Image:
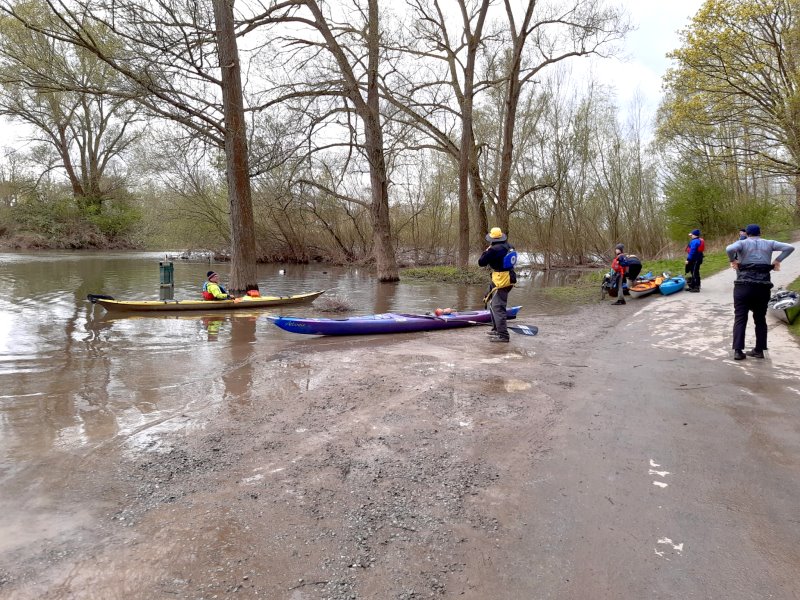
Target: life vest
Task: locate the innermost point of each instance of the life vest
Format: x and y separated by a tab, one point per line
701	247
208	295
615	266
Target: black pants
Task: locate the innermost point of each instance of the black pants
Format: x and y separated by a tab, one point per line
633	272
619	287
693	268
749	297
498	311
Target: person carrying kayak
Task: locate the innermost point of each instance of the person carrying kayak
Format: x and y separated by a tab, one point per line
501	257
212	290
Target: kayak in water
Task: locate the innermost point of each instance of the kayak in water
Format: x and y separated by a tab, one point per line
247	302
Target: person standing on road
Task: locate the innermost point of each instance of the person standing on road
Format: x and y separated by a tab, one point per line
694	258
742	233
501	257
619	265
752	259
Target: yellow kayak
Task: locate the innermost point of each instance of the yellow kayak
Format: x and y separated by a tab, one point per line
247	302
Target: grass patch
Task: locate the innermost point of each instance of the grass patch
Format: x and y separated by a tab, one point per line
795	327
583	291
713	262
587	288
471	274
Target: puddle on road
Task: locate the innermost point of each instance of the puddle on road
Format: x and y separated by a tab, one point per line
515	385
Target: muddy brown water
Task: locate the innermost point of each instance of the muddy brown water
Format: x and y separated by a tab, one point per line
76	381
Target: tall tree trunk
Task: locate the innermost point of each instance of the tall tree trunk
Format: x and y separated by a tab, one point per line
463	179
507	152
467	151
385	260
478	204
243	240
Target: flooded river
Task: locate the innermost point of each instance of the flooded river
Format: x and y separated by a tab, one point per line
74	378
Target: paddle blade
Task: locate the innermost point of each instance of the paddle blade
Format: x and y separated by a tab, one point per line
524	329
93	298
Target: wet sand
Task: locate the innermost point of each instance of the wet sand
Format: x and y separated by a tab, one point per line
621	453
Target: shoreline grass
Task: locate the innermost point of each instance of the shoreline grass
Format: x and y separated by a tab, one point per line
586	290
794	328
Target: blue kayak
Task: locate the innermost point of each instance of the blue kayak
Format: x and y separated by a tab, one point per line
385	323
672	285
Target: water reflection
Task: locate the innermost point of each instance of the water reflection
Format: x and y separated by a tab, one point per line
385	295
238	378
74	376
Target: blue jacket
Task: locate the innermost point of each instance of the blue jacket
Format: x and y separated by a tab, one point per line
693	250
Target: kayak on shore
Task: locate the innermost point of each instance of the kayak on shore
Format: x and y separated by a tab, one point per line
785	305
644	287
672	285
385	323
246	302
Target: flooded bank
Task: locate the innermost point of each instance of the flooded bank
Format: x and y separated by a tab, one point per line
76	380
201	456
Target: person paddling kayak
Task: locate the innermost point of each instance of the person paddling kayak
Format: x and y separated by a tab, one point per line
212	290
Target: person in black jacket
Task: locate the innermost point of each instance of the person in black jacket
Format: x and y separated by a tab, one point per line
503	279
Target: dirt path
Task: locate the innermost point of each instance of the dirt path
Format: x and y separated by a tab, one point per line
619	454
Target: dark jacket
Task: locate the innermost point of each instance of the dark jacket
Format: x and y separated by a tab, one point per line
493	257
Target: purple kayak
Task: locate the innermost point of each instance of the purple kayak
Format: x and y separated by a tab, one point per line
385	323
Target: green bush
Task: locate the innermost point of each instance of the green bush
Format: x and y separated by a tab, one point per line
116	219
61	223
703	200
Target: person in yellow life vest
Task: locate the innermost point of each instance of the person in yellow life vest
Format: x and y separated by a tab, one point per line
501	257
212	290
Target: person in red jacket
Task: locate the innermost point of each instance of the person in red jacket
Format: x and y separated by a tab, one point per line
619	265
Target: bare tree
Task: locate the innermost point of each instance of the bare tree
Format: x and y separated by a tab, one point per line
422	97
558	32
86	132
355	52
175	61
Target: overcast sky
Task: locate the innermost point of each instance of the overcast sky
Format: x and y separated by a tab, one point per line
658	23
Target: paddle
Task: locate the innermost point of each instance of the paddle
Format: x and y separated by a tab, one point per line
520	329
93	298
